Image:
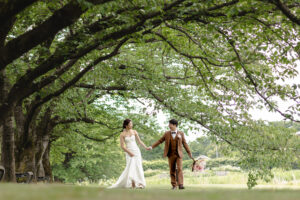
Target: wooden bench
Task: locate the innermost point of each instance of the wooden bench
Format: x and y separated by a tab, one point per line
24	177
20	177
2	172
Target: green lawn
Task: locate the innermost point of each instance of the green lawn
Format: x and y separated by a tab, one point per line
202	192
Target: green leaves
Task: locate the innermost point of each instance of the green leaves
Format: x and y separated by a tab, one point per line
85	4
205	62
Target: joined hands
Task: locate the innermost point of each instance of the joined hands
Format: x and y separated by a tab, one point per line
149	148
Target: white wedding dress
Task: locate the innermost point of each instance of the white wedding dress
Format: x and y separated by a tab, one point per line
133	171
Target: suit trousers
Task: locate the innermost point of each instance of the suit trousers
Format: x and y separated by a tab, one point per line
174	160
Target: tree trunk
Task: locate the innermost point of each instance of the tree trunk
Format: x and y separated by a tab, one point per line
25	160
1	133
8	140
25	151
8	154
2	95
40	151
46	163
31	151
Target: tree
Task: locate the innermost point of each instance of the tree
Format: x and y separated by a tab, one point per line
208	62
86	153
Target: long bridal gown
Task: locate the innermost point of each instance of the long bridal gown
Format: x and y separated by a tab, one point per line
133	171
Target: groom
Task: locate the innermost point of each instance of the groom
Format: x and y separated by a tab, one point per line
174	140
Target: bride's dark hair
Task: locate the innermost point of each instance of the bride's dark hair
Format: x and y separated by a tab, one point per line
126	122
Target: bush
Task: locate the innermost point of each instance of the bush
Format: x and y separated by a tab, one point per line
150	172
217	162
156	165
227	168
162	164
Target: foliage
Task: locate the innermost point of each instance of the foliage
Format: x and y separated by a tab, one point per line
77	158
207	63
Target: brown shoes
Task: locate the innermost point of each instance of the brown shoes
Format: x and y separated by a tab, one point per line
180	187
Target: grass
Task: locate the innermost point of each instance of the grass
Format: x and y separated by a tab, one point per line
200	186
163	192
281	177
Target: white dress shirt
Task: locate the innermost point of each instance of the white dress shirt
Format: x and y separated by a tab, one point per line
174	135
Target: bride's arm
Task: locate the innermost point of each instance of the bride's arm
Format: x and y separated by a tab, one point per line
122	142
139	140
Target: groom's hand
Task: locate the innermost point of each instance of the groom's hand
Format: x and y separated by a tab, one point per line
149	148
192	158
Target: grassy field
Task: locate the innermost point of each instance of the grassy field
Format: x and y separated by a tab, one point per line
161	178
163	192
200	186
229	177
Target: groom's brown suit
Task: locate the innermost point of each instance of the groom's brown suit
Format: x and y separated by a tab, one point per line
173	149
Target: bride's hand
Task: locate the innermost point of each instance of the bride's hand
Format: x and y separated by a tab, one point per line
148	148
131	154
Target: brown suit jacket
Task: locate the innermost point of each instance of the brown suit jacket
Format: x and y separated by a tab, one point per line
181	141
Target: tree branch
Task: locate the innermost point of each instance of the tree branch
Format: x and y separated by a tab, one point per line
100	87
9	8
67	85
60	19
96	139
252	81
83	119
285	10
200	122
20	90
185	54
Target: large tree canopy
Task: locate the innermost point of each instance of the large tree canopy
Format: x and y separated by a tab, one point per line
207	62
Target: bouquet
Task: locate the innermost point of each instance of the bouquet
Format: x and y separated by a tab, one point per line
199	163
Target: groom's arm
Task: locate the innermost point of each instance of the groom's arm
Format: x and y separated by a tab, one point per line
186	146
161	140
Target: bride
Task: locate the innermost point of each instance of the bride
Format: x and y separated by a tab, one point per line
133	174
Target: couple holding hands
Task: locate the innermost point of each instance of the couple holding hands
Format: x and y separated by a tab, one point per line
133	174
